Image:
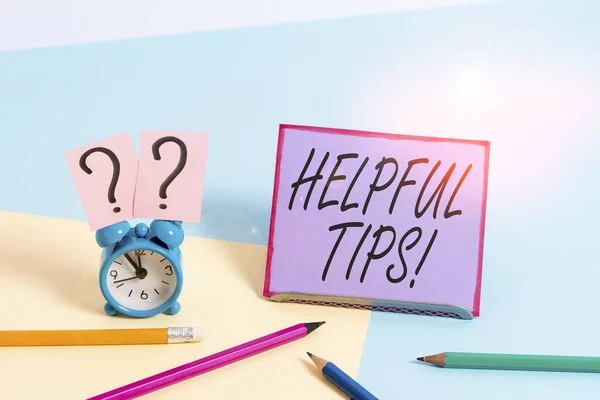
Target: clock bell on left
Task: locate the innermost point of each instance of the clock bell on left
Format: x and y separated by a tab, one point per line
141	273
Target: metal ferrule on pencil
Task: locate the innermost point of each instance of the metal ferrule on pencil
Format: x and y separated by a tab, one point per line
184	334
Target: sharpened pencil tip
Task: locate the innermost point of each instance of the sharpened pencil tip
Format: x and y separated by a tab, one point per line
420	358
318	361
311	326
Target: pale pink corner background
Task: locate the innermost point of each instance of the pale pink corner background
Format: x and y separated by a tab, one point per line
184	194
93	188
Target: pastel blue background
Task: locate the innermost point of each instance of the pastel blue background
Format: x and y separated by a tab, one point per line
538	102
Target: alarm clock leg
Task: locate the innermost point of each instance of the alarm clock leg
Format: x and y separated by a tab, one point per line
174	309
110	310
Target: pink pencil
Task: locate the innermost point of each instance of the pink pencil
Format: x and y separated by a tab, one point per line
209	363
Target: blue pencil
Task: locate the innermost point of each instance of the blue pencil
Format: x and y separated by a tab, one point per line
340	379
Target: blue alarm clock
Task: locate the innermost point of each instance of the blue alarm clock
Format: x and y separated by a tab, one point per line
140	272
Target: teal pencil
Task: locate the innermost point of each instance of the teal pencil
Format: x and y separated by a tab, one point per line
522	362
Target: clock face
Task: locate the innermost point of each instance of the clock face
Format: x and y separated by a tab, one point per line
141	280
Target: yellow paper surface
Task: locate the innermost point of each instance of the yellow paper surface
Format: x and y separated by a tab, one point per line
49	280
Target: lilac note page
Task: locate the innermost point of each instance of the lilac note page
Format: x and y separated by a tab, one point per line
400	218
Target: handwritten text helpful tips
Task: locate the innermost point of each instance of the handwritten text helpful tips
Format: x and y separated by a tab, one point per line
359	214
387	232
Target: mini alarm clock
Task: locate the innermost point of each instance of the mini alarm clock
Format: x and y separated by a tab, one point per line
140	272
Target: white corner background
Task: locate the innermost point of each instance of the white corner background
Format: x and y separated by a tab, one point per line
26	24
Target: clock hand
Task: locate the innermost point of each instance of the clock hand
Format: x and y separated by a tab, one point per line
128	279
139	261
139	272
137	268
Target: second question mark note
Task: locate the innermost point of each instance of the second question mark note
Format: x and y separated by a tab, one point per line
105	173
170	181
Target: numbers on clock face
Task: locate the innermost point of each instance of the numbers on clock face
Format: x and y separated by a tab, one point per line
141	280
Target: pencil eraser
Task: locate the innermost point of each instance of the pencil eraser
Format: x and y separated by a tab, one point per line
197	334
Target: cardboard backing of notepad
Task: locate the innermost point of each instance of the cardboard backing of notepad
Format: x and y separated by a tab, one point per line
378	221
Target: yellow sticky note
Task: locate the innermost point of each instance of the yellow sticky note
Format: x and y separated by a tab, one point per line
49	280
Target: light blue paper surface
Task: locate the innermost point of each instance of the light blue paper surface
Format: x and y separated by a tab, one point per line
525	75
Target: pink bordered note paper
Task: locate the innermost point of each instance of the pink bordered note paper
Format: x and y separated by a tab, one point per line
378	221
170	181
105	173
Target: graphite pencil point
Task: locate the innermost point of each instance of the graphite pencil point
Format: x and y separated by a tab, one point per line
311	326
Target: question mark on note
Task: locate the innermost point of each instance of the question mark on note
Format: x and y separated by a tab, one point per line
115	174
180	165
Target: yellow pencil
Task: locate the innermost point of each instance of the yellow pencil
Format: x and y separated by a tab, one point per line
92	337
